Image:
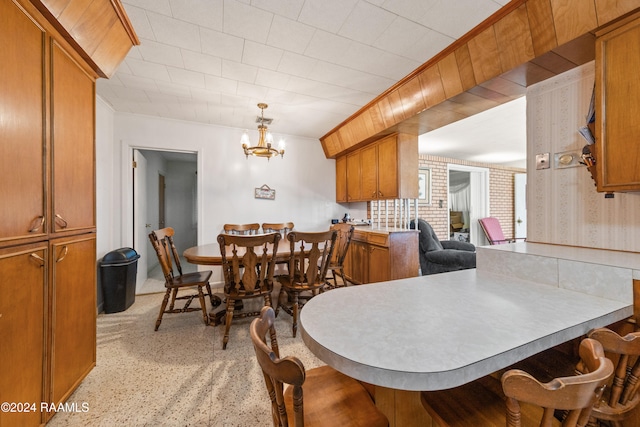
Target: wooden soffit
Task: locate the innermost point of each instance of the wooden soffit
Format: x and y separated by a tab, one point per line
99	30
525	42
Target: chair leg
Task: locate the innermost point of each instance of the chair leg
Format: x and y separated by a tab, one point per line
295	313
174	294
282	291
227	321
267	300
203	305
345	282
335	279
165	300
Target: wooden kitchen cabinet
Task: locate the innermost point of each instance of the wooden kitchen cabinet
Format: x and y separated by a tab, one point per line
617	151
73	313
381	255
354	177
73	142
370	172
23	147
385	169
379	269
341	179
23	309
47	216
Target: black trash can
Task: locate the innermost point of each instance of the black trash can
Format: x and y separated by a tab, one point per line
118	271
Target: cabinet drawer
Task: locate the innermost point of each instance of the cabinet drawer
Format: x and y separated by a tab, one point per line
378	239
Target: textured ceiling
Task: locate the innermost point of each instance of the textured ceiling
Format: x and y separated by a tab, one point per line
315	62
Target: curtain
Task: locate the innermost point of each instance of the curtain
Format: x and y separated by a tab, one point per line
459	200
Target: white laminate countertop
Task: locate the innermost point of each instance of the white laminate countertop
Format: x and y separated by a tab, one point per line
630	260
440	331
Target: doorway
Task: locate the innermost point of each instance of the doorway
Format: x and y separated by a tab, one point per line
468	189
165	195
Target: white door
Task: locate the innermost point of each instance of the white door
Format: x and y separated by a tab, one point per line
520	205
140	228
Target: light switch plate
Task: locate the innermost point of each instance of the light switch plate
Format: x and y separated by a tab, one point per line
542	161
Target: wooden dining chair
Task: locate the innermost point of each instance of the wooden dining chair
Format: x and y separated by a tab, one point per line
522	400
308	264
336	264
317	397
621	396
247	266
162	242
283	228
242	229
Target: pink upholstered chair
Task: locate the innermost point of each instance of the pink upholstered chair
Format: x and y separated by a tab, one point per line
493	230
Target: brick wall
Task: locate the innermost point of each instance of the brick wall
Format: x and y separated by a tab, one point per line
500	198
500	193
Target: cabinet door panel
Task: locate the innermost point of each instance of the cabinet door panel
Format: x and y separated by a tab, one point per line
22	315
22	143
341	179
618	154
369	157
388	168
359	262
72	109
378	264
73	317
354	187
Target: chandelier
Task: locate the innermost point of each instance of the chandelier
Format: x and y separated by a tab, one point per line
265	139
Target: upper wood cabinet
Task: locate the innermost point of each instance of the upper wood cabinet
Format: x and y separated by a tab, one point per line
341	179
354	177
385	169
22	113
73	142
48	132
618	107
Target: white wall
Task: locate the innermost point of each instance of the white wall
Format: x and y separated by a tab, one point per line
304	179
563	206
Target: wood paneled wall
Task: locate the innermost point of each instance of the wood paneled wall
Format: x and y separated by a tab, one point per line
525	42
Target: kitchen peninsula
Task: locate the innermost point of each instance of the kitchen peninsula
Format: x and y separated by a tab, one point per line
452	328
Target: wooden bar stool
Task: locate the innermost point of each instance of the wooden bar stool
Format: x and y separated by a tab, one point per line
522	400
330	397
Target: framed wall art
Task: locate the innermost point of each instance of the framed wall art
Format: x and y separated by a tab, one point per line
424	186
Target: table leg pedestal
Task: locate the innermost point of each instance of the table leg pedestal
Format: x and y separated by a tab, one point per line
402	408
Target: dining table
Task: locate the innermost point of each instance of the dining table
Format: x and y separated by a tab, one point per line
209	254
441	331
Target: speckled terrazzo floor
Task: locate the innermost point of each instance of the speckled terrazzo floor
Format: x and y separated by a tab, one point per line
177	376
